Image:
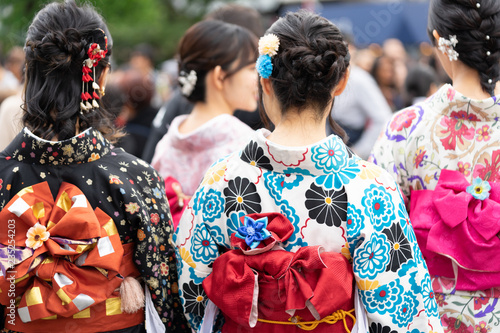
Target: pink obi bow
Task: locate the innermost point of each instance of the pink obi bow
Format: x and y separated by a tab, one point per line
66	256
452	226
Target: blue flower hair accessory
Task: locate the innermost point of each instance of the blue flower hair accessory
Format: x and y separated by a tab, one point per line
479	189
268	48
253	232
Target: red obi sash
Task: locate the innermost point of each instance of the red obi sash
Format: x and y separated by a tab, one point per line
459	224
259	289
65	262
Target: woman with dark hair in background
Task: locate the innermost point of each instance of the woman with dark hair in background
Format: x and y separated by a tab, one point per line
444	153
217	74
84	226
330	219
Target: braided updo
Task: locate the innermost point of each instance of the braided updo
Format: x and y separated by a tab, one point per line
312	59
477	28
56	46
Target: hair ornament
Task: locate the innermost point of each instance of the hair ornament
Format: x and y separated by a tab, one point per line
268	48
447	46
487	37
95	54
188	82
478	5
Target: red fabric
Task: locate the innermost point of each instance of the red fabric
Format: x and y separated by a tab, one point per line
451	225
286	281
176	199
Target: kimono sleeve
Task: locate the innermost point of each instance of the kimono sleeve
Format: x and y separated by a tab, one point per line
391	275
197	248
155	254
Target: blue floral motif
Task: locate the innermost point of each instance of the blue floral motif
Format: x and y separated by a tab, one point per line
264	66
234	222
277	182
217	235
253	231
194	277
304	172
378	205
355	223
198	200
179	262
194	321
337	180
157	193
384	299
405	311
213	205
405	222
330	156
373	258
292	216
479	189
428	295
203	247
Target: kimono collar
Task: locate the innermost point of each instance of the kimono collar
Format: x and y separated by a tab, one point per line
327	156
448	100
87	146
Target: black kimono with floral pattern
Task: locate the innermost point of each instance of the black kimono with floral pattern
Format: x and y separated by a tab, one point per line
123	186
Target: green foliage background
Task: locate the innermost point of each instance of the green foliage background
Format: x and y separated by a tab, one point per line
157	22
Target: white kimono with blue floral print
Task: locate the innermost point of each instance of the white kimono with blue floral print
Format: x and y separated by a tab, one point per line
333	199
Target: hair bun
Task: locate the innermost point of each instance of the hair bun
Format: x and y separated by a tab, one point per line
61	49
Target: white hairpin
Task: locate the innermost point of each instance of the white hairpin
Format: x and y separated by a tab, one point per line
447	46
188	82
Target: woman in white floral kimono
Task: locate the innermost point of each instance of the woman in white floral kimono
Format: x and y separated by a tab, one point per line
444	153
337	208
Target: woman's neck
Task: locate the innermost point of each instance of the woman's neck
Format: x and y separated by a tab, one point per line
467	81
203	113
299	129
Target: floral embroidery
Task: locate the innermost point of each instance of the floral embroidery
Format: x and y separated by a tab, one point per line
36	235
483	133
488	167
368	170
93	157
454	132
213	205
385	298
203	247
330	156
403	120
141	235
214	174
464	168
194	297
419	157
114	180
132	207
379	206
155	218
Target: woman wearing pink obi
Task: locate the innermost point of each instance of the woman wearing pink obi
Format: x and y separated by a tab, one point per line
217	74
445	155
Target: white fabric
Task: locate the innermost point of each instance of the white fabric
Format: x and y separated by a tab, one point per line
361	325
153	320
211	312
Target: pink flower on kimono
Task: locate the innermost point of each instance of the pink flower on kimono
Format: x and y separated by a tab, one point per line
454	132
464	168
455	325
482	327
419	157
36	235
483	133
403	120
479	302
450	94
488	167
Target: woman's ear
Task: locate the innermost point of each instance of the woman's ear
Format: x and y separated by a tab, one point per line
217	77
342	83
266	86
436	36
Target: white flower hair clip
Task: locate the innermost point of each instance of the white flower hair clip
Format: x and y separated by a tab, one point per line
447	46
188	82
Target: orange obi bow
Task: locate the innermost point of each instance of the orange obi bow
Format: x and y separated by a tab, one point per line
66	256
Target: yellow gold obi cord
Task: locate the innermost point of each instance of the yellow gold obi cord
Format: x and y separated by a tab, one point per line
311	325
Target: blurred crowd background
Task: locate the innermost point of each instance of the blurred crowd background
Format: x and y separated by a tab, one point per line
388	42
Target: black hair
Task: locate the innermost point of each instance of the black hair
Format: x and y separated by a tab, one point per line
56	46
212	43
477	30
418	82
311	61
246	17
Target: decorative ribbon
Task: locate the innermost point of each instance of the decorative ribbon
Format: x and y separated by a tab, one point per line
451	224
74	258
